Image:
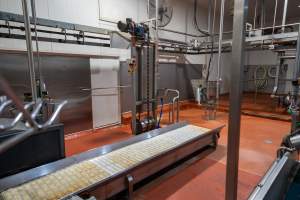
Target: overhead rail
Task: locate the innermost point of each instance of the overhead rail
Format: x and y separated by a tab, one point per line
6	16
62	32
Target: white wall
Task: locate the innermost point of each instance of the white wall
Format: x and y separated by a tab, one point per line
73	11
90	12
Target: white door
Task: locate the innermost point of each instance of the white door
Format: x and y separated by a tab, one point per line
105	92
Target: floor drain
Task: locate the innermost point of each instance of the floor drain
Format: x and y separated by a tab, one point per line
268	141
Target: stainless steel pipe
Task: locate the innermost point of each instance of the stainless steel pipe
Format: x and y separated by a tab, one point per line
286	2
220	49
175	100
29	49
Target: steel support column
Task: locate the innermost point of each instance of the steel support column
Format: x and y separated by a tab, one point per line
134	91
296	87
29	49
262	15
286	2
220	49
208	39
209	16
156	52
236	89
34	17
297	71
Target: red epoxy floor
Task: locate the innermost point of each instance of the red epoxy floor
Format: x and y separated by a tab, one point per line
84	141
203	179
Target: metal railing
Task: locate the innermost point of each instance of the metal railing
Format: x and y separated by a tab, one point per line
174	101
28	113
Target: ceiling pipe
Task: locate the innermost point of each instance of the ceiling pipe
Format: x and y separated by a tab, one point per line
220	49
29	50
286	2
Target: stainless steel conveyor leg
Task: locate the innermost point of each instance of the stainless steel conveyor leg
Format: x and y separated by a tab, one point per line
129	180
172	104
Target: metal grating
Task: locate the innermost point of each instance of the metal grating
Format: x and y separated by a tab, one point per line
82	175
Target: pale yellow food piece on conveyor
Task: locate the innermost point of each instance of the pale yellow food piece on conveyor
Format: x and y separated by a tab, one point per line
58	184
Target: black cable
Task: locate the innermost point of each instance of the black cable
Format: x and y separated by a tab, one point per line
211	57
195	19
195	22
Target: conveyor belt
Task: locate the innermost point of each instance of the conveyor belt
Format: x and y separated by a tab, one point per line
85	174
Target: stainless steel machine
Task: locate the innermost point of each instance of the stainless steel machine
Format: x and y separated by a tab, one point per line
42	148
282	181
142	69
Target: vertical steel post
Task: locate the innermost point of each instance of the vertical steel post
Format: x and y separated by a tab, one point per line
34	17
134	91
29	49
178	110
296	87
154	83
255	15
286	2
220	49
156	60
297	74
209	39
262	15
236	89
209	16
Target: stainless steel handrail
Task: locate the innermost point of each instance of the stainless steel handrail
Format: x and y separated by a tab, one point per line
30	118
55	114
16	119
172	104
4	105
105	88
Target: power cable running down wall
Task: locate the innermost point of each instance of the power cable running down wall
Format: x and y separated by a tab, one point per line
212	38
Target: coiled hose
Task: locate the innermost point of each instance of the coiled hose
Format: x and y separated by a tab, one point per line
260	80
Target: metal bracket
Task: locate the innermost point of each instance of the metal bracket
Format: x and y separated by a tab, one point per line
129	181
215	140
63	30
8	27
80	35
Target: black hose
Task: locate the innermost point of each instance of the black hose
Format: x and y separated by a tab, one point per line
210	59
195	19
205	33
